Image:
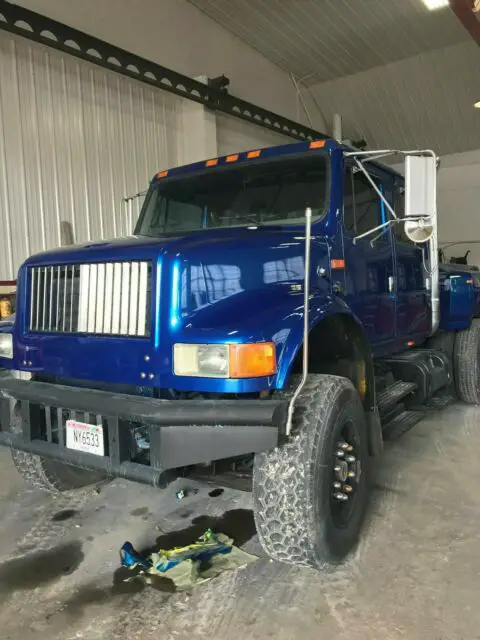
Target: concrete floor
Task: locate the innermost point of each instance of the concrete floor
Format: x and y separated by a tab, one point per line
414	575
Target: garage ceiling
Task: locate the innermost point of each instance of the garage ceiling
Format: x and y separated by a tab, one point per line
324	39
399	74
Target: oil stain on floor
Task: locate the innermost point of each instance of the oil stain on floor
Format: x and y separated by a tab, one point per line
39	568
237	524
139	511
63	515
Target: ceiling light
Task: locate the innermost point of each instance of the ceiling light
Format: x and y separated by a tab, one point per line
435	4
477	104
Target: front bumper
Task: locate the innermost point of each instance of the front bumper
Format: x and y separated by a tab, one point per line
181	432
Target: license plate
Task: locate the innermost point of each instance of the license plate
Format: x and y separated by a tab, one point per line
85	437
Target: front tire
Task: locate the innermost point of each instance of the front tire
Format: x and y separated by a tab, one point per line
310	494
48	474
51	475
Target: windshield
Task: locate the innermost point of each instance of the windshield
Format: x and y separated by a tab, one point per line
258	194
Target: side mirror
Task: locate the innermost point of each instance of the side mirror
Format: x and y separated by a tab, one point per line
420	196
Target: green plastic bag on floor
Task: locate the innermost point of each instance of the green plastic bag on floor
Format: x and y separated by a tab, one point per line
206	558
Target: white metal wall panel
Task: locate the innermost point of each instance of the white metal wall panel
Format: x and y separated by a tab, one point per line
74	140
235	135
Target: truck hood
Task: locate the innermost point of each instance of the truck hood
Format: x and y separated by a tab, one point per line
111	249
146	247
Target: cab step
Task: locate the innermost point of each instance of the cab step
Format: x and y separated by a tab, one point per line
439	402
393	394
401	424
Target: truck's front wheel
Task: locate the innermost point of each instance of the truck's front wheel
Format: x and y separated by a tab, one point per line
47	474
51	475
310	494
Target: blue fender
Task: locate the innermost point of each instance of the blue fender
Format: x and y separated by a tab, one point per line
289	339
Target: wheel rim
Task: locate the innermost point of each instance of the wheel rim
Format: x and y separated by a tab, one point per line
345	474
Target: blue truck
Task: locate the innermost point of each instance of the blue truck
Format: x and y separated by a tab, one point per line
276	316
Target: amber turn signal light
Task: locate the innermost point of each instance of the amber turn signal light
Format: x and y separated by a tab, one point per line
252	360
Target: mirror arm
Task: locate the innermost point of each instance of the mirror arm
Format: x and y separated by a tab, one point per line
370	231
385	224
377	190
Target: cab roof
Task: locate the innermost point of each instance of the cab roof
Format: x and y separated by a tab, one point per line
327	145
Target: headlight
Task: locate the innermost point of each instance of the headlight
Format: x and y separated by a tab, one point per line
224	360
6	345
206	360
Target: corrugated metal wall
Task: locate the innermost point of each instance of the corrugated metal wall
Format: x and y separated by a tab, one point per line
74	140
234	135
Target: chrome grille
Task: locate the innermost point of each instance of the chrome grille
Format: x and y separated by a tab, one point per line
101	299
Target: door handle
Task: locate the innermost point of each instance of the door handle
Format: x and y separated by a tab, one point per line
391	284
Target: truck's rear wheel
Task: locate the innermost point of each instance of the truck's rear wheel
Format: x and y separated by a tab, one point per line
51	475
310	494
467	363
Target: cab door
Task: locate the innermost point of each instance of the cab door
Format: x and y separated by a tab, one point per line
369	262
413	300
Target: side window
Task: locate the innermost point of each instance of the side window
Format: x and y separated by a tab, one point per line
399	206
367	204
348	203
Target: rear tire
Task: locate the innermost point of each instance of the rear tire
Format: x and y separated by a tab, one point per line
467	363
299	520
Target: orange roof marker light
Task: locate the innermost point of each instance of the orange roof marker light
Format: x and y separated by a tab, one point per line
162	174
317	144
337	264
253	154
232	158
212	163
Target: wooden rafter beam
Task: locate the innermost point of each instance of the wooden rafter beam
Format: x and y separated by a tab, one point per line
468	12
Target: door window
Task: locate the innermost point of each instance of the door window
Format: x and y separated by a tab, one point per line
348	203
361	204
399	208
367	204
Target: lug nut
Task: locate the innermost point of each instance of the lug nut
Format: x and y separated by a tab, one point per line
143	375
337	469
349	447
151	376
351	474
347	488
339	454
147	358
350	459
341	496
337	485
343	445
